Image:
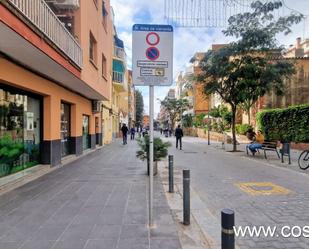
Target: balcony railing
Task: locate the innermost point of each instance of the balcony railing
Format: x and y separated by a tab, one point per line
119	53
39	14
118	77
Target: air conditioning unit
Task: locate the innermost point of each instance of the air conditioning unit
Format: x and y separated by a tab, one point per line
65	4
96	106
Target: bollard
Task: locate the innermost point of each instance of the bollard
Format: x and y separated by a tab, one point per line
170	174
186	196
227	226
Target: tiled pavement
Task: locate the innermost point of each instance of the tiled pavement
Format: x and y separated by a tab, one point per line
97	202
215	179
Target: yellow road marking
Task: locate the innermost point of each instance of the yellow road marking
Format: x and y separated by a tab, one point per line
262	188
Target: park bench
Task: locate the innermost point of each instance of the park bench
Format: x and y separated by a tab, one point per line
267	146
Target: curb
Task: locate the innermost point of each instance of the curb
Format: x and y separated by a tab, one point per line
202	220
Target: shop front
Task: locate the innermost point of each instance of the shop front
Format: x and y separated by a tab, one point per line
20	130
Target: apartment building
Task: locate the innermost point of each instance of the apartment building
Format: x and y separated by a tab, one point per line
55	69
131	100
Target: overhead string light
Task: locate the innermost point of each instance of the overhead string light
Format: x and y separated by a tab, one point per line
210	13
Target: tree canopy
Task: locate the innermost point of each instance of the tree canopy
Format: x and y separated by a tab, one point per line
174	108
139	107
251	66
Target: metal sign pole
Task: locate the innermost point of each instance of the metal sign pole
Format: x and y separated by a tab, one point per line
151	115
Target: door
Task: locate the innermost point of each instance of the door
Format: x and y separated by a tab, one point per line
65	125
86	141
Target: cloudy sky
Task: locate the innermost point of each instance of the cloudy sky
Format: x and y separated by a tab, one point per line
187	41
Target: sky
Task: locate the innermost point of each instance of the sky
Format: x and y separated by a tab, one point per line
187	41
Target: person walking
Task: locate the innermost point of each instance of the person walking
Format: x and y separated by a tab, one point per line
132	131
178	135
124	130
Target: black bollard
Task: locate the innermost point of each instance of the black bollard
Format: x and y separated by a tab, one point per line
186	196
227	226
170	173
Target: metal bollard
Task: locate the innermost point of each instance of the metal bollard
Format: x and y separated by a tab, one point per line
227	226
186	196
170	173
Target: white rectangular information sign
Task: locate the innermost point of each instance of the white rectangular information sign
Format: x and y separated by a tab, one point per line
152	55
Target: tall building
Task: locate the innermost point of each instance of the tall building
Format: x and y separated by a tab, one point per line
131	100
201	102
56	61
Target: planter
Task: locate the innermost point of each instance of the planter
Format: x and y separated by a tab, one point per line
155	168
5	169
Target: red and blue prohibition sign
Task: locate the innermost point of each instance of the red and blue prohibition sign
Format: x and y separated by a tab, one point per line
152	53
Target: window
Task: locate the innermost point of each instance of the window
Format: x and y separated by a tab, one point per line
92	49
104	69
104	14
20	133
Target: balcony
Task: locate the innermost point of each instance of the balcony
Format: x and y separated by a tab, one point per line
42	17
119	77
119	53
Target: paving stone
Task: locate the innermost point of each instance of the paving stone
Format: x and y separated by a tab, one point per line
134	231
165	243
38	244
70	244
105	231
98	201
133	243
101	244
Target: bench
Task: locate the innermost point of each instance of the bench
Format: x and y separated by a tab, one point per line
267	146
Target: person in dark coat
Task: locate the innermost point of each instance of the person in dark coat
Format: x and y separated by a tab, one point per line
178	135
124	130
132	131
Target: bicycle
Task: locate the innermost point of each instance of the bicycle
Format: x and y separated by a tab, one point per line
303	160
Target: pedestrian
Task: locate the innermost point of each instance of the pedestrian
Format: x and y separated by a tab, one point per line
170	131
257	144
132	131
178	135
166	132
124	130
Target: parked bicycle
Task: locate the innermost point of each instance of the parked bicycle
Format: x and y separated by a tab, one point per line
303	160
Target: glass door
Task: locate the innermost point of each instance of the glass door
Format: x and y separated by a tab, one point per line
65	125
86	142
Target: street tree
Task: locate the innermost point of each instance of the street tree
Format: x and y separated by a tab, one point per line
249	67
174	108
139	107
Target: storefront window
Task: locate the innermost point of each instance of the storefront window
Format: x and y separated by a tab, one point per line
65	129
86	141
20	131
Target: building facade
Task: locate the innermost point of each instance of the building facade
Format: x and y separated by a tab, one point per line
55	68
296	90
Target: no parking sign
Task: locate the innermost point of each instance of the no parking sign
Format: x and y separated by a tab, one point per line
152	54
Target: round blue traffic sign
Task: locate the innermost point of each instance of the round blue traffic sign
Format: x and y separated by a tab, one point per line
152	53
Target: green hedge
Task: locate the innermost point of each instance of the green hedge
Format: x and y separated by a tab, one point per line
243	128
290	124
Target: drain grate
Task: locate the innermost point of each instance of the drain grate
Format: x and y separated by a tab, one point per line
190	152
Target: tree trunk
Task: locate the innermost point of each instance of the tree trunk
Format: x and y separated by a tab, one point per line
249	116
233	128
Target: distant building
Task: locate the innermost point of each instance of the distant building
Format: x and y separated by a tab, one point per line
296	88
201	102
171	93
146	120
